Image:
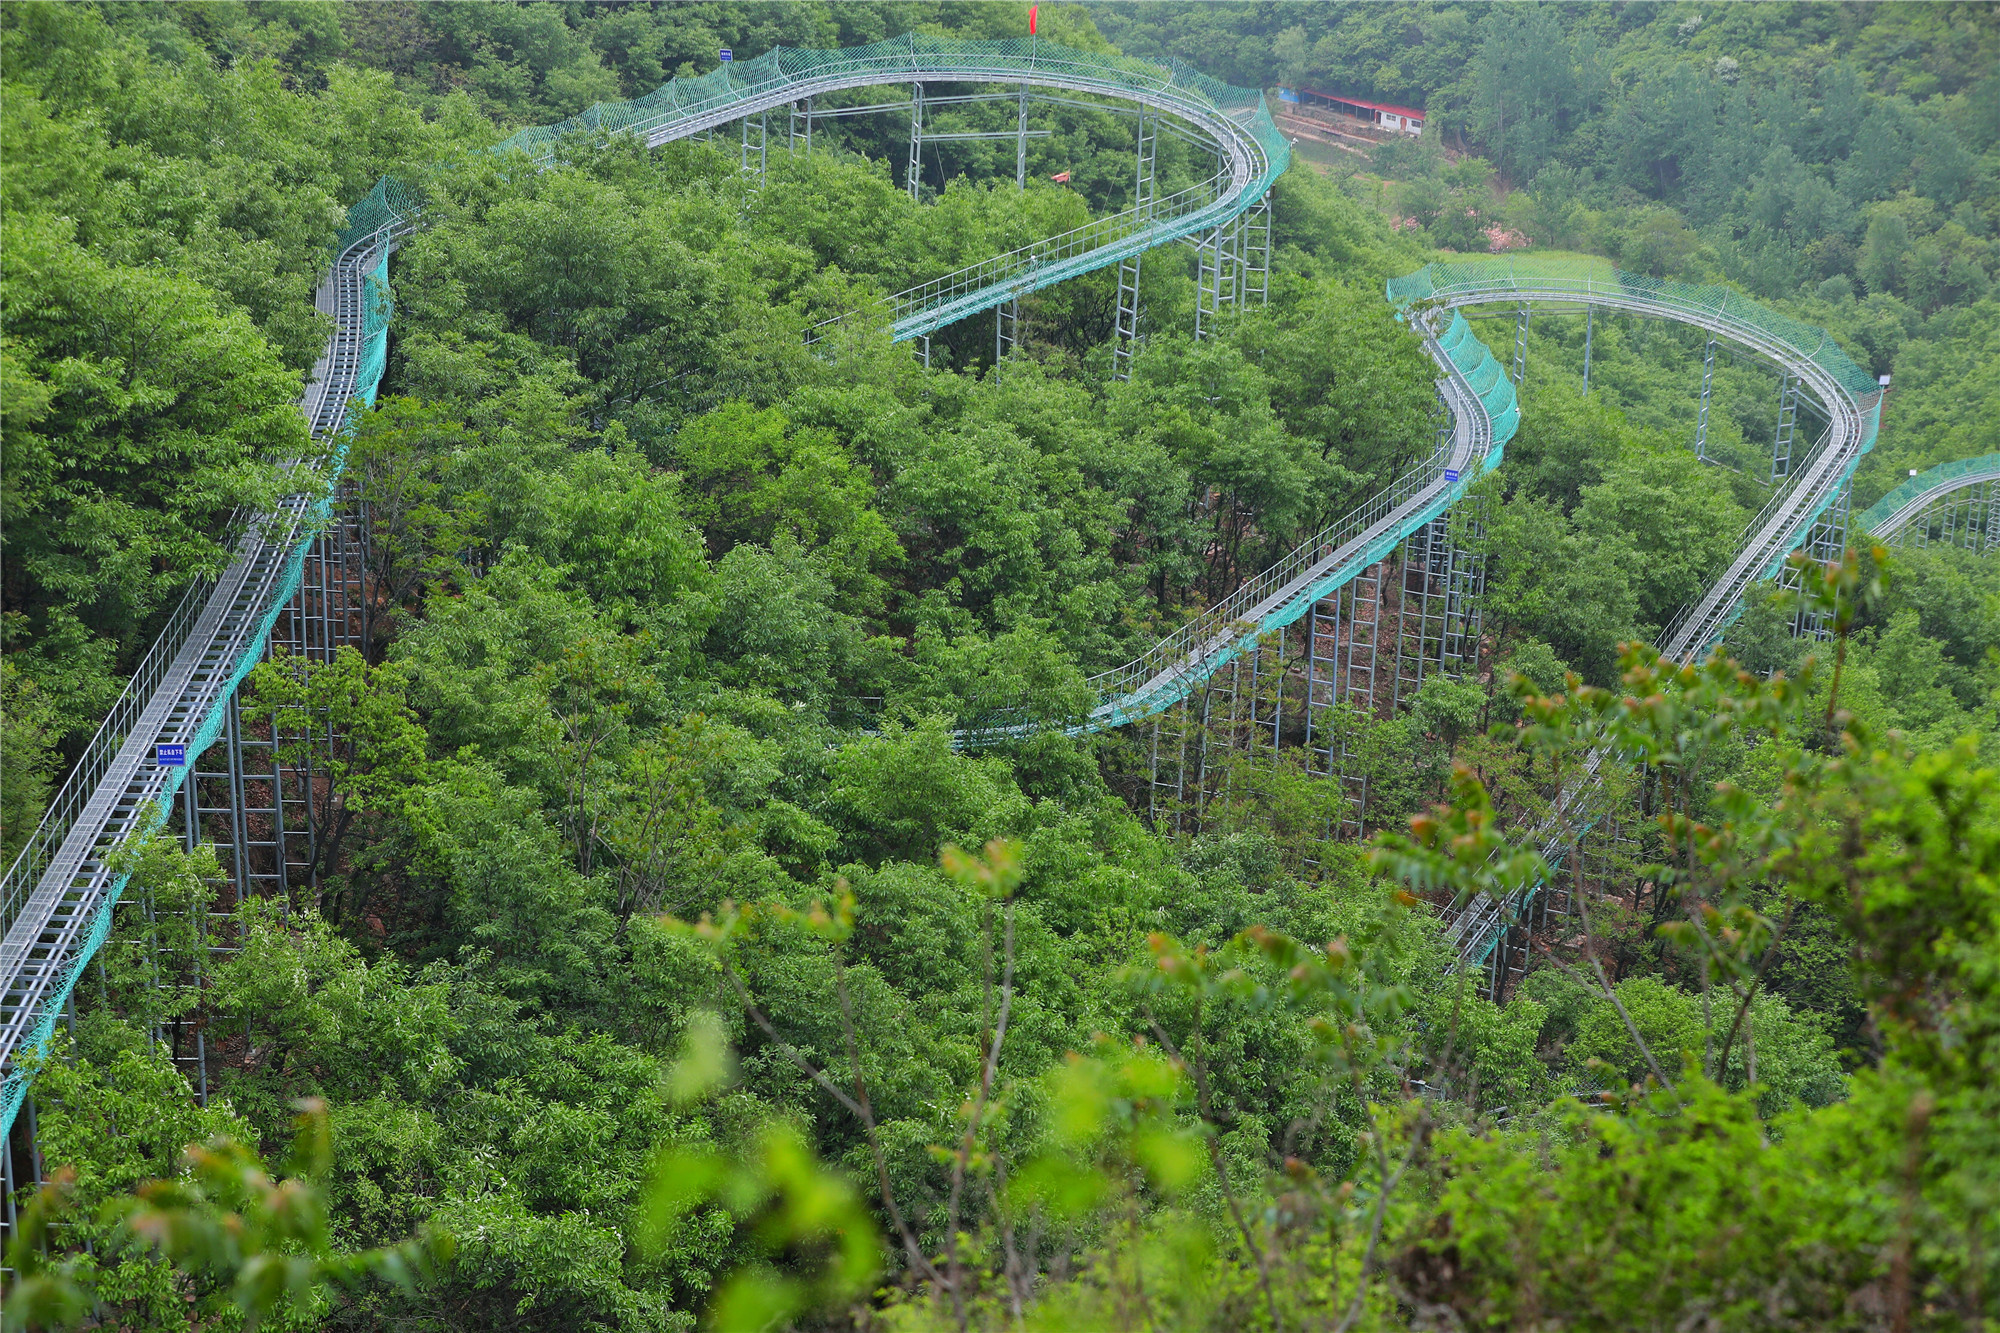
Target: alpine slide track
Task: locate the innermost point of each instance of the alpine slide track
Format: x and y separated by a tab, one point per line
296	581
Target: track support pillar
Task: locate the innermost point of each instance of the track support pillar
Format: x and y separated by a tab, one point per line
1126	341
1701	420
1021	143
1589	324
916	174
1521	347
1788	417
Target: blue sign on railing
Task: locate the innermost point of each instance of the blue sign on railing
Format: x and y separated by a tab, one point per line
725	55
1451	474
170	756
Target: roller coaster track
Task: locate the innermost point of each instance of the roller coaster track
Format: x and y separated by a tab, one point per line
1889	517
57	899
1849	397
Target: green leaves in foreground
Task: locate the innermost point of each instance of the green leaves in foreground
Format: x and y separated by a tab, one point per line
792	1210
225	1218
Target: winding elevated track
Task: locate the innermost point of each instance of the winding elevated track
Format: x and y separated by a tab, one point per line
1893	517
1849	397
57	899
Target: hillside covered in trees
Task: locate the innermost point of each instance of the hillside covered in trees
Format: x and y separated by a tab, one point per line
666	965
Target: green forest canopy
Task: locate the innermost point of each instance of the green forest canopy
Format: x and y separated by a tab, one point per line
676	616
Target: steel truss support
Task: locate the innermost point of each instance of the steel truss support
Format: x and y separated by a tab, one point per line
1589	326
755	156
1021	144
1368	648
253	796
1824	542
1126	343
799	136
1006	328
1218	280
1707	382
1968	518
1788	416
916	174
1521	347
1255	230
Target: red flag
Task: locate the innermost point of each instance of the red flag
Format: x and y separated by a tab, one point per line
1032	10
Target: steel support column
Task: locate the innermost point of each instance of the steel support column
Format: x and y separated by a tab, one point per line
1256	231
1589	325
1788	415
755	158
1707	382
1125	344
1021	143
799	134
915	178
1824	542
1006	328
1217	276
1521	347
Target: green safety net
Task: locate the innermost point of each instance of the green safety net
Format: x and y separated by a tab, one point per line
378	308
913	57
1584	277
1939	478
1484	375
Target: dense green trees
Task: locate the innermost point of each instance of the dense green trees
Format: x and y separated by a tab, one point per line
638	963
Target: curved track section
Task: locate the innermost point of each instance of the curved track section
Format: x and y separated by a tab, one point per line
1236	122
1850	399
57	899
1484	416
1889	517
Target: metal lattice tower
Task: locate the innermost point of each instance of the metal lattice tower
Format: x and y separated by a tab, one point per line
1788	417
1006	329
914	180
1021	143
800	126
1825	541
1218	276
1521	347
755	157
1589	327
1126	345
1707	382
1256	233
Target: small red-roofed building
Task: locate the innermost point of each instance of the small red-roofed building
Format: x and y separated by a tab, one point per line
1382	115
